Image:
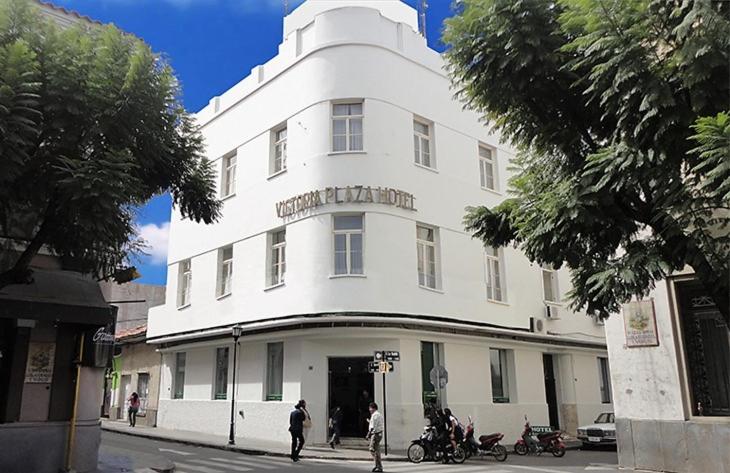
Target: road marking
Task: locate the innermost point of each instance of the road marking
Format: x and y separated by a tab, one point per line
201	469
440	467
175	451
264	464
228	466
601	467
539	469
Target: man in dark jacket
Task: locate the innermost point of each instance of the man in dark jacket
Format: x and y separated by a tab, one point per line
296	428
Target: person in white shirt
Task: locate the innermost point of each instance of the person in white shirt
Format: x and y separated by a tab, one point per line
375	435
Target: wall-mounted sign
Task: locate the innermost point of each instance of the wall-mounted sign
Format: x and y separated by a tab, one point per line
345	195
39	368
640	324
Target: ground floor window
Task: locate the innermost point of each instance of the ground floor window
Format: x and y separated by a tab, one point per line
432	374
179	377
499	373
605	380
143	391
274	371
221	373
707	350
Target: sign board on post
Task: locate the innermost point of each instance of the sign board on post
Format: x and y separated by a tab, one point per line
640	324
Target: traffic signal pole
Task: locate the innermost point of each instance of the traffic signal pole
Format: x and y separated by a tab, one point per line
385	417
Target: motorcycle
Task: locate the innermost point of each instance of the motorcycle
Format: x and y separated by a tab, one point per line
429	446
548	442
486	445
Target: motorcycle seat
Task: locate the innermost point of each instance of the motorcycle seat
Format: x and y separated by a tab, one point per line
490	437
548	435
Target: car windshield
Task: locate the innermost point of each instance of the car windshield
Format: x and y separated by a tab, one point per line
605	418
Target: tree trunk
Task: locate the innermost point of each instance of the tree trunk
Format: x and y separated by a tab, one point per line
20	273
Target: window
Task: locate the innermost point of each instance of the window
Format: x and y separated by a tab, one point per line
422	143
500	381
487	168
274	371
550	285
221	373
495	290
228	183
179	377
348	244
143	391
278	257
279	151
347	127
185	282
426	247
225	271
605	380
432	360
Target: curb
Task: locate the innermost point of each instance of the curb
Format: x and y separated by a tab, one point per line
235	448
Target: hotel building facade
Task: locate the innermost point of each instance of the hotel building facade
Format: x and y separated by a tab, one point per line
345	166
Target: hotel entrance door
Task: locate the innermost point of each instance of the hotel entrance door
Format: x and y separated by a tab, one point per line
351	388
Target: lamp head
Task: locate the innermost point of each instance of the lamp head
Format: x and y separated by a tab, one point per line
236	331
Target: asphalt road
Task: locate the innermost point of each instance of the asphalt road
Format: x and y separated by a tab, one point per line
191	459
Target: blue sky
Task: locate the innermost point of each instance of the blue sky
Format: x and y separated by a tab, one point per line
212	45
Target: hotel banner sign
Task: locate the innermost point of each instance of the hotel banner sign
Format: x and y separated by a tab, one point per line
640	324
345	195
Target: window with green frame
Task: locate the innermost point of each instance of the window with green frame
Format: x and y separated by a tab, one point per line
274	371
221	373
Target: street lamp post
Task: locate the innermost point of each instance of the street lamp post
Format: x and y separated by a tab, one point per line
236	332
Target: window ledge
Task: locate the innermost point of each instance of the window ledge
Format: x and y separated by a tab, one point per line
438	291
269	288
492	191
495	301
184	306
229	196
337	153
277	173
553	303
223	296
427	168
340	276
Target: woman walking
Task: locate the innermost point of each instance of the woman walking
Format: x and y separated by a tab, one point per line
133	409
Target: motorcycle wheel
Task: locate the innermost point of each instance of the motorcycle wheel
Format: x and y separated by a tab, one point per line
499	452
558	450
459	455
521	448
416	453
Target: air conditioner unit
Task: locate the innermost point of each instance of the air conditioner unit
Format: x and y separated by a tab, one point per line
551	312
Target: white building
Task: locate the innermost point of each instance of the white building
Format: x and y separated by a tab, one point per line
345	167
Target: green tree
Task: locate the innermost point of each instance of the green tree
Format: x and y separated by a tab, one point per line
91	127
618	109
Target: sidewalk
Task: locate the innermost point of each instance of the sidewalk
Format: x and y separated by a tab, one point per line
243	445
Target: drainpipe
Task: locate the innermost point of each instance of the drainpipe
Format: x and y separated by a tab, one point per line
72	426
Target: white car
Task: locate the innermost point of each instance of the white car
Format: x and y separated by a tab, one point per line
602	432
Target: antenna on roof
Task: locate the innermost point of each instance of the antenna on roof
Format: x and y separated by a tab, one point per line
422	6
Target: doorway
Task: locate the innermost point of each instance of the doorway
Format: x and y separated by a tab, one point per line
125	392
351	388
551	394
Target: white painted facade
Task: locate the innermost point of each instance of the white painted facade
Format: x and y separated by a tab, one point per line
366	52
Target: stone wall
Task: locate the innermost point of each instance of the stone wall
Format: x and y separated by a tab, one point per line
674	446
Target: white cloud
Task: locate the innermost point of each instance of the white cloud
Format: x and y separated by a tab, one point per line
156	238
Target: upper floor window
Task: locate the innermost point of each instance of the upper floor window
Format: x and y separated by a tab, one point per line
550	285
278	162
221	373
495	285
422	143
185	282
225	271
347	127
277	253
348	245
228	181
487	168
426	247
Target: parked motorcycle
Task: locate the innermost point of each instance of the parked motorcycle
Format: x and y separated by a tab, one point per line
548	442
431	447
486	445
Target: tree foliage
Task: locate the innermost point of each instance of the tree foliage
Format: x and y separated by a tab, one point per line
91	126
619	111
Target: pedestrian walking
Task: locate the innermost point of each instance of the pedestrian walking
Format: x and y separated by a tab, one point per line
133	409
296	429
335	426
375	435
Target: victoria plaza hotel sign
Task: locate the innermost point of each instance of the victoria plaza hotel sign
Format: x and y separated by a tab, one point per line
345	195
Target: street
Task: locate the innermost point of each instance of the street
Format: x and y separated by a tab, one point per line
192	459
